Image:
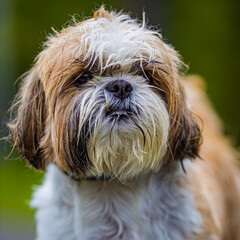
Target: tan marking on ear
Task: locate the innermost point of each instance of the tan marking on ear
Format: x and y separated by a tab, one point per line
28	126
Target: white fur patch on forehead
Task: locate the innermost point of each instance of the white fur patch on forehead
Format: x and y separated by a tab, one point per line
116	40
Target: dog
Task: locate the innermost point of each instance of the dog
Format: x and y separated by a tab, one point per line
108	112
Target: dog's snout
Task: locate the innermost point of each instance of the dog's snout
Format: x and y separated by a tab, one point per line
120	88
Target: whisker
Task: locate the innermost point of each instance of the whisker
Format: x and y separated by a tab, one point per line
158	88
163	70
154	61
143	134
77	60
175	120
170	150
149	134
113	125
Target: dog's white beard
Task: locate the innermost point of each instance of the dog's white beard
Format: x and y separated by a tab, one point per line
130	146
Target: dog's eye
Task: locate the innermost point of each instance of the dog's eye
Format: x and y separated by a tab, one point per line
148	76
83	78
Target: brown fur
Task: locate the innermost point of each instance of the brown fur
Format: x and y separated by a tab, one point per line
215	178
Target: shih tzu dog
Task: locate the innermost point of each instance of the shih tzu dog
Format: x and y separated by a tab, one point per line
106	110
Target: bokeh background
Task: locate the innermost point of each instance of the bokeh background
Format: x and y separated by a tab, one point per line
205	32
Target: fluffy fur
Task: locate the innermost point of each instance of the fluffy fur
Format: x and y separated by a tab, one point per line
105	100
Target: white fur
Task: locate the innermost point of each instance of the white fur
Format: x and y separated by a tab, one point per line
154	207
110	42
105	43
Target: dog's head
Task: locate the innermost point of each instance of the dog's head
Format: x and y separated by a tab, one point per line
105	98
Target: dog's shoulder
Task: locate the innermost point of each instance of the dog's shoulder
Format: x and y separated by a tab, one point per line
216	174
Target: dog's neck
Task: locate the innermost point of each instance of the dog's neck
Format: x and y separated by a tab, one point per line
113	210
89	178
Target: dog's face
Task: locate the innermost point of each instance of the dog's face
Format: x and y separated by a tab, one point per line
105	98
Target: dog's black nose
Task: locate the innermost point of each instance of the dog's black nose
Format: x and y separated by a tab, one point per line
120	88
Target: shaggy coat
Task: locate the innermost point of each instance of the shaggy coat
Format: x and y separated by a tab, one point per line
107	111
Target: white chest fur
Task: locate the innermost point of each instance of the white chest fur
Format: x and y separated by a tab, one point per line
153	208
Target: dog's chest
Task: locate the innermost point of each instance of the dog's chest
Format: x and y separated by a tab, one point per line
154	208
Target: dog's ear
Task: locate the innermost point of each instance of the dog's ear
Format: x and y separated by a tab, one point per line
184	133
29	113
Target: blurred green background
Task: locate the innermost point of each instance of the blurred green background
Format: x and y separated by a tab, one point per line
205	32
